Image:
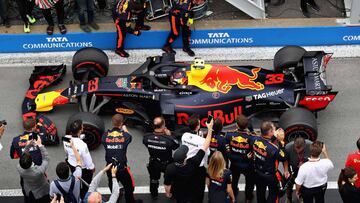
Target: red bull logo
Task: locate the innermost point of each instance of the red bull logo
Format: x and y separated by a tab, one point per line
226	118
260	148
221	78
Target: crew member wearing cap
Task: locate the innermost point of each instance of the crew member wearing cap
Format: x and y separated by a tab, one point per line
160	145
266	160
180	176
116	142
88	167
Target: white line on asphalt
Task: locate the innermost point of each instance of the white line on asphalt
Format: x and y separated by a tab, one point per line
138	190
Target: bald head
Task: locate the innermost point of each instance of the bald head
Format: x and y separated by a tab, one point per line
94	197
159	122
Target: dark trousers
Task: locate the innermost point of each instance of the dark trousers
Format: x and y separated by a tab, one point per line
126	179
311	194
59	7
87	176
264	181
121	33
25	8
155	168
249	181
199	184
85	6
4	5
177	23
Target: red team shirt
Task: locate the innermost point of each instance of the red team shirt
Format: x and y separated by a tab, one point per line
353	160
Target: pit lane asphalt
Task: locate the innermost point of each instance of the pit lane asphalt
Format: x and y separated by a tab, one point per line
338	124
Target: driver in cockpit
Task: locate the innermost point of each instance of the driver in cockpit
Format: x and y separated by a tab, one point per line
179	78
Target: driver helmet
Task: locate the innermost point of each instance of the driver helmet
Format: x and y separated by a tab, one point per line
179	78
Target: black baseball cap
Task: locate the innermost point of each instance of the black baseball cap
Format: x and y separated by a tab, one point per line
180	154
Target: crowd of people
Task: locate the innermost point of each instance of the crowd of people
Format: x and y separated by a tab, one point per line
123	13
214	159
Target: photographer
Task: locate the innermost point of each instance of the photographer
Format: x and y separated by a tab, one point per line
115	142
92	196
88	167
67	185
2	129
311	181
36	184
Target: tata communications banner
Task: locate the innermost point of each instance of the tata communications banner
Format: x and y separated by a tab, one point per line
236	37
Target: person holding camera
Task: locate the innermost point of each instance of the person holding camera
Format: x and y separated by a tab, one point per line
92	196
115	142
68	186
311	181
194	141
160	145
36	185
297	152
88	167
266	158
181	177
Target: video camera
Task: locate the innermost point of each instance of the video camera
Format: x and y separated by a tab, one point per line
3	122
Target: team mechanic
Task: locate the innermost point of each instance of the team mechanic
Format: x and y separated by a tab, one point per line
123	13
180	16
116	142
239	150
18	146
266	159
160	145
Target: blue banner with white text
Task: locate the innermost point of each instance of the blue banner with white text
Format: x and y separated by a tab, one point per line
234	37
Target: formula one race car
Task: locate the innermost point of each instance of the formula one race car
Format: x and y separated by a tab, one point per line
291	94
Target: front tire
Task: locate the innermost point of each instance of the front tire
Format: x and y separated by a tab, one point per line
94	128
298	122
88	63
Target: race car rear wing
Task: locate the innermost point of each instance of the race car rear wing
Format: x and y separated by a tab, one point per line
318	93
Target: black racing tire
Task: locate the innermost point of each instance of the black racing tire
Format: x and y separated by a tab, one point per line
94	128
288	57
298	122
90	60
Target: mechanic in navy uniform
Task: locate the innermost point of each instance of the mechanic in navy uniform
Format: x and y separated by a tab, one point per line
18	146
266	159
160	145
116	142
239	151
218	140
180	16
123	13
88	167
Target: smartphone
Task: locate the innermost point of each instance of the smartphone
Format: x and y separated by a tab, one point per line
33	136
65	139
209	118
58	197
115	162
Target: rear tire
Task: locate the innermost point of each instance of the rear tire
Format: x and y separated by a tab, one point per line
94	128
298	122
288	57
88	63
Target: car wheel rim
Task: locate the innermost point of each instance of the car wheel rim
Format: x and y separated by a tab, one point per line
293	135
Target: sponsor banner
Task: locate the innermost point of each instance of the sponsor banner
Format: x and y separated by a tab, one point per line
235	37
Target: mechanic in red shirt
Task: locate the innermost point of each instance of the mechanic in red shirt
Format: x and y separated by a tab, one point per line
353	160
